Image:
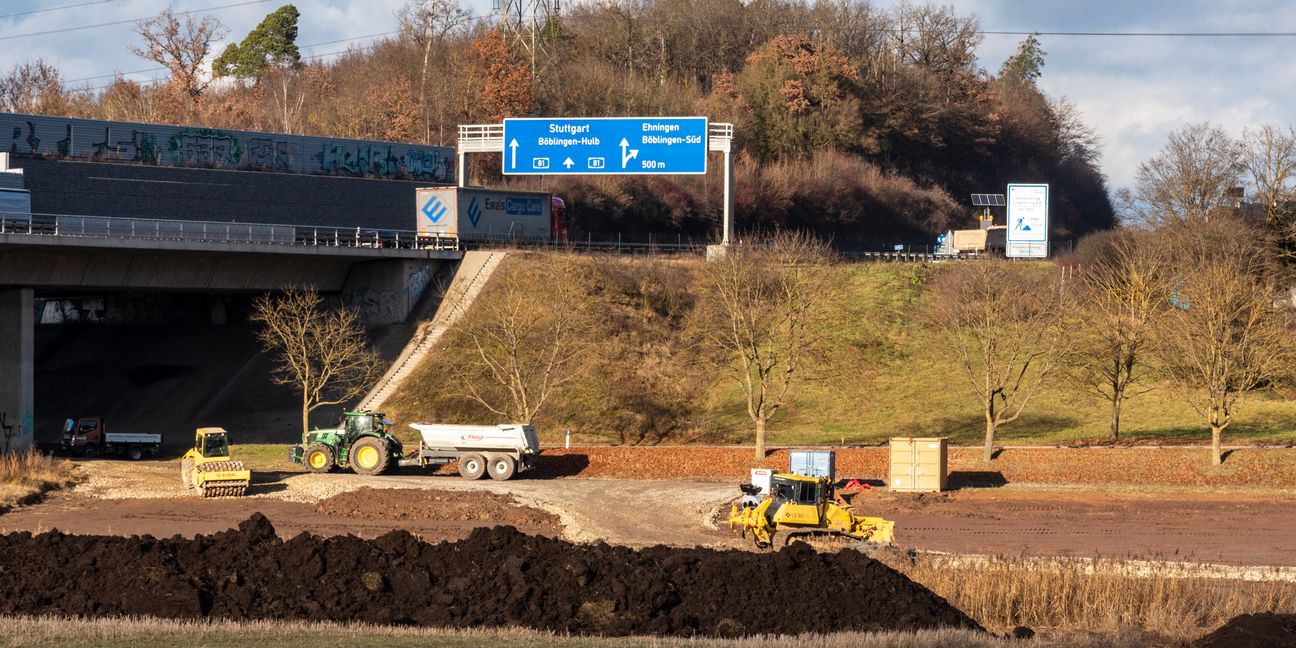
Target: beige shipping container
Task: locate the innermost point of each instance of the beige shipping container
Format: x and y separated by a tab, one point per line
919	464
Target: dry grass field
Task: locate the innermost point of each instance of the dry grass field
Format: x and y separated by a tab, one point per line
1110	597
155	633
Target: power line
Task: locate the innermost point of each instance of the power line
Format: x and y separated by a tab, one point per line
1143	34
126	22
161	69
39	11
1147	34
305	58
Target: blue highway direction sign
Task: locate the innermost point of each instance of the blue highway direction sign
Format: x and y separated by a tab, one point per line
605	145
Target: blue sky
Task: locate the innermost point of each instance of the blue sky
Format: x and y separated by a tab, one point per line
1133	91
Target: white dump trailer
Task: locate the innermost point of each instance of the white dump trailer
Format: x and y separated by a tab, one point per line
498	450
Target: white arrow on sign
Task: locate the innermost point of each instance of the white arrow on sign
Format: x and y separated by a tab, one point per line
568	163
513	145
626	157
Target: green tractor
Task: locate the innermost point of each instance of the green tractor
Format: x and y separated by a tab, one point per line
360	442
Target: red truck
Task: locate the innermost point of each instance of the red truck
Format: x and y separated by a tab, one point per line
89	437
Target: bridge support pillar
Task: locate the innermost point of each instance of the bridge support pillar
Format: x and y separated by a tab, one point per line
386	291
17	363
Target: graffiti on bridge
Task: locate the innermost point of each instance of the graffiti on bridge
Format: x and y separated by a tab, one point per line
206	147
164	145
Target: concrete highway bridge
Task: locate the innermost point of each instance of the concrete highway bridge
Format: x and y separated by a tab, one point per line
381	272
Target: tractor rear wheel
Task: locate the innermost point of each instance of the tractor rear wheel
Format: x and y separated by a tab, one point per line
472	466
369	456
135	453
318	458
186	472
502	467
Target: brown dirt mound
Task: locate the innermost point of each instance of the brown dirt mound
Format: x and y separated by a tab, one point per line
496	577
421	504
1263	630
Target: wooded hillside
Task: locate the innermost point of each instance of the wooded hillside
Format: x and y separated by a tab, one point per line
866	125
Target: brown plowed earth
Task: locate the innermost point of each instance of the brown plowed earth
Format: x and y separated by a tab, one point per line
1226	528
367	503
1264	630
495	577
448	515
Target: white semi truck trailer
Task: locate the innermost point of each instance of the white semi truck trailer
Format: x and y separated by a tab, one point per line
477	214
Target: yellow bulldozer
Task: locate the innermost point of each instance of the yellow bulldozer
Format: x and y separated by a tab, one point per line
802	507
208	469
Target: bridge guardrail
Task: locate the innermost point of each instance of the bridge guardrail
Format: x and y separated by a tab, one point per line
151	229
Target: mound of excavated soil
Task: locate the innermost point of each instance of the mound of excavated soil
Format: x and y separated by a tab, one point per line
496	577
368	503
1264	630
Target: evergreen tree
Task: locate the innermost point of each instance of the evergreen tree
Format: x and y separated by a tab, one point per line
1026	65
272	44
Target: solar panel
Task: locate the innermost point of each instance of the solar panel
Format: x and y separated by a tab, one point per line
988	200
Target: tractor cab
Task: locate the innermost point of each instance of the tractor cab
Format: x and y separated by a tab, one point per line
358	424
211	443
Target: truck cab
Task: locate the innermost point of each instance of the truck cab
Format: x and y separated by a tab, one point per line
84	434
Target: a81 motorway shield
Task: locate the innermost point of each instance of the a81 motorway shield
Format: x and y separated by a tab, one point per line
605	145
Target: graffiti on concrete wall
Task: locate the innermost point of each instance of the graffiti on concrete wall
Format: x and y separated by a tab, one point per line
376	306
158	144
416	283
389	306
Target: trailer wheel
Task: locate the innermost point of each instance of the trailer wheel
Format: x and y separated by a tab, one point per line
318	458
502	467
369	456
135	453
472	466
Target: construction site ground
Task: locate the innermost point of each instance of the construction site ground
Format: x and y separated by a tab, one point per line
135	498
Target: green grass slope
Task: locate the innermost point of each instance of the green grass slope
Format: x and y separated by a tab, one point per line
651	379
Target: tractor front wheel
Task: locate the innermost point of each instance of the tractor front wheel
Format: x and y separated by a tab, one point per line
369	456
318	458
472	466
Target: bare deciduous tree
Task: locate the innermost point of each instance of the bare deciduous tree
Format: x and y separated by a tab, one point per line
1225	337
1123	293
181	46
527	337
1004	324
35	88
430	23
323	353
765	303
1269	157
1189	179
